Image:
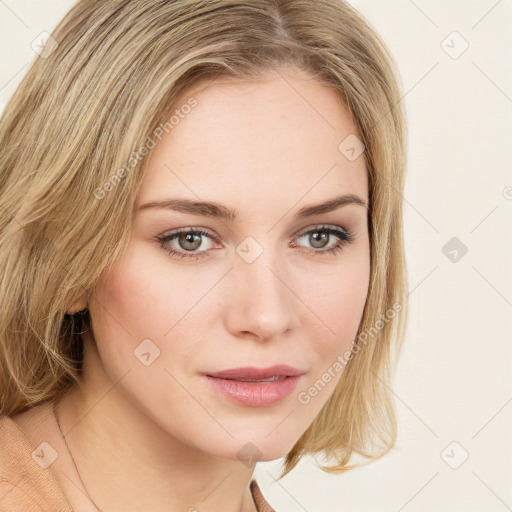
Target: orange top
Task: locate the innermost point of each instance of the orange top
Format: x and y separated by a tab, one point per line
25	488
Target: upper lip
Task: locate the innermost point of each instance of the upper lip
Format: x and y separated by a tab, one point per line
250	372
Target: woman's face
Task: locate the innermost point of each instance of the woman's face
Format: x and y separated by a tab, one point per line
257	290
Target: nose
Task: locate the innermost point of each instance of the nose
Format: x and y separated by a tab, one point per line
261	299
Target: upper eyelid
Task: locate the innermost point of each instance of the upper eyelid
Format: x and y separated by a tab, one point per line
215	236
301	232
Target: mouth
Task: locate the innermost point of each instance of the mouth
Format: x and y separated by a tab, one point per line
255	387
253	374
270	379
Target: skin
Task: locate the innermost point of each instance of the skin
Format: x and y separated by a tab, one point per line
166	439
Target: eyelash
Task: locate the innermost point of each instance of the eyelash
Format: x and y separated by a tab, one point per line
344	237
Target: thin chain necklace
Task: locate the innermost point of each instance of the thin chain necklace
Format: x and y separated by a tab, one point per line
54	409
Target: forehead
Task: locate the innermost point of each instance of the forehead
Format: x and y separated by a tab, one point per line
270	141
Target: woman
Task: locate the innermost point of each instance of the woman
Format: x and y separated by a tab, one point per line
201	252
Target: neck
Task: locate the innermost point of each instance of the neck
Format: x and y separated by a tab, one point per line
129	462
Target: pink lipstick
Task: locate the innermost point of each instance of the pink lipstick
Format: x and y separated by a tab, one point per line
256	387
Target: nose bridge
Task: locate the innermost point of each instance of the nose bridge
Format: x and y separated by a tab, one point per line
262	303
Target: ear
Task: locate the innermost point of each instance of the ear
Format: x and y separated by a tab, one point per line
78	306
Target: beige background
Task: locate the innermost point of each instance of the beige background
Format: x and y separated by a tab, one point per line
453	381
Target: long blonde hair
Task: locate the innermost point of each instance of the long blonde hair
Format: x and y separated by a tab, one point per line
111	74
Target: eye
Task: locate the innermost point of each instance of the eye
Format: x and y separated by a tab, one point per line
318	237
188	240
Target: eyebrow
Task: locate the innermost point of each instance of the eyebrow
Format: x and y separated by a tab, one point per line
220	211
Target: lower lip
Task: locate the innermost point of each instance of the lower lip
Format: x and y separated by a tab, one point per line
255	394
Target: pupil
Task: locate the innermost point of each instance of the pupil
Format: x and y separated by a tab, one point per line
317	237
189	238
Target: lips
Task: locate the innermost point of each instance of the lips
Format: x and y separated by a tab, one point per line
255	387
253	374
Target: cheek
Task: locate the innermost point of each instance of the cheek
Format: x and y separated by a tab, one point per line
347	305
146	298
132	311
140	294
333	328
337	299
129	300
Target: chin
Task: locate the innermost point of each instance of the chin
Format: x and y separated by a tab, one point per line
258	447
